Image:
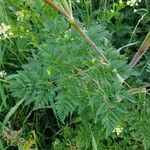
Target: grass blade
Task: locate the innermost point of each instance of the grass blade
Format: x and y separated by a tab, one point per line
12	111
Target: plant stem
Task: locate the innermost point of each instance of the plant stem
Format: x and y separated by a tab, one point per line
89	41
56	7
136	28
143	48
76	26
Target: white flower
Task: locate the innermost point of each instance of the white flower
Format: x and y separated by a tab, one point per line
8	27
5	31
2	74
3	28
128	2
133	3
5	36
118	130
120	1
20	15
10	33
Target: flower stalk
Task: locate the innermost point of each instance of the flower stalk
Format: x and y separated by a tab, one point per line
143	48
65	8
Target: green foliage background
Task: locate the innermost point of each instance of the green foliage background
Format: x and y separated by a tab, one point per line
58	94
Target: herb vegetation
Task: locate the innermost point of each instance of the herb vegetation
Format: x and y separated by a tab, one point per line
69	84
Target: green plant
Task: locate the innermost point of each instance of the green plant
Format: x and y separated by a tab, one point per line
65	96
69	78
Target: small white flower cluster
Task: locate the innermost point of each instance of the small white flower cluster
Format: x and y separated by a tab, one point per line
120	1
133	3
2	74
20	15
118	130
5	31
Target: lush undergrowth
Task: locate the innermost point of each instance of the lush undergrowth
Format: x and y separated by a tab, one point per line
74	86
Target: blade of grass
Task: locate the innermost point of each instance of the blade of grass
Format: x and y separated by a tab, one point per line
127	45
134	31
94	144
12	111
3	97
